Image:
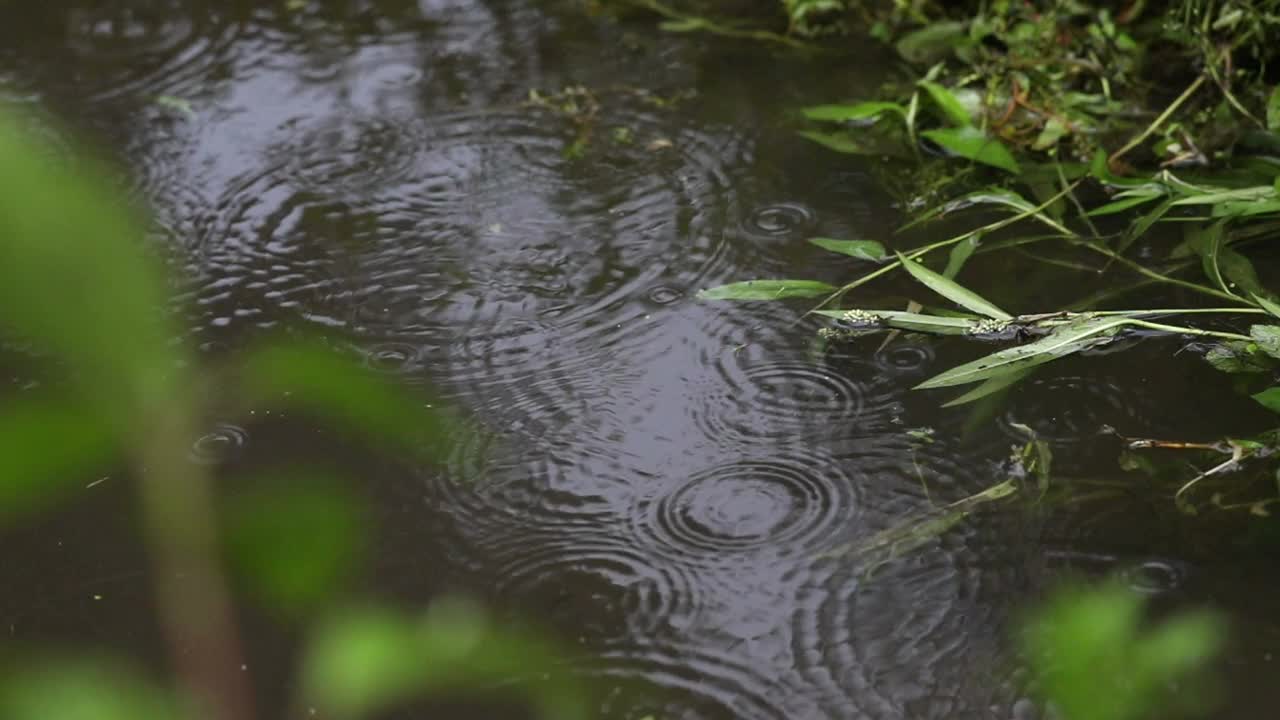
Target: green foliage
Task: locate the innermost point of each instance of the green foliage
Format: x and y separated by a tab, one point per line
79	284
953	291
1098	661
767	290
861	249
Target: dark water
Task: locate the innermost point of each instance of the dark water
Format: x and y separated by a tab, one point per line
667	483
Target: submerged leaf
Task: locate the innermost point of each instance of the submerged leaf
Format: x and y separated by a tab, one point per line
960	254
767	290
1065	340
861	249
952	290
973	144
1267	338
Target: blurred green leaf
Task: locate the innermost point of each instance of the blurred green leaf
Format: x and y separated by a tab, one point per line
318	381
767	290
1273	110
1267	338
960	254
77	278
952	290
932	42
949	104
855	111
45	448
1096	662
77	689
971	143
296	539
369	660
861	249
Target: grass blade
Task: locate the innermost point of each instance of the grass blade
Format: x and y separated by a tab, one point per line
952	290
990	386
1067	339
767	290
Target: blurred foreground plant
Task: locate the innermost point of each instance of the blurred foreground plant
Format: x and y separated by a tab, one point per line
76	283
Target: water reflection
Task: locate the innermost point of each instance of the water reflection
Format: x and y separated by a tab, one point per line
680	487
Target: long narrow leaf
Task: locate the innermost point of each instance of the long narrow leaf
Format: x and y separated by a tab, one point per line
990	386
1069	338
1268	305
936	324
767	290
856	111
1122	204
948	103
861	249
973	144
952	290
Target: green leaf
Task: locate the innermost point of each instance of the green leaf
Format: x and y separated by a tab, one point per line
1207	243
959	255
861	249
78	280
46	448
1122	204
368	660
839	142
1267	304
1269	399
932	42
1235	356
1067	339
318	381
296	539
1222	264
952	290
975	145
1001	197
78	689
948	103
767	290
990	386
935	324
1144	223
847	113
1267	338
1249	194
1273	110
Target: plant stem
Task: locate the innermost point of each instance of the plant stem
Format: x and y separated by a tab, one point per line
1173	107
1180	330
1142	269
912	255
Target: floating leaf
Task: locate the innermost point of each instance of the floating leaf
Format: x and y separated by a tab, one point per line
1065	340
847	113
936	324
1269	399
952	290
1235	356
973	144
949	104
767	290
861	249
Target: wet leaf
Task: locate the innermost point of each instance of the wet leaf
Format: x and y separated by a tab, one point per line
1269	399
1236	356
1064	340
973	144
949	104
932	42
296	539
318	381
952	290
1267	338
78	689
767	290
46	448
855	111
936	324
78	279
861	249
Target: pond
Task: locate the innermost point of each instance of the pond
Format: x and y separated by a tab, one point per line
514	203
